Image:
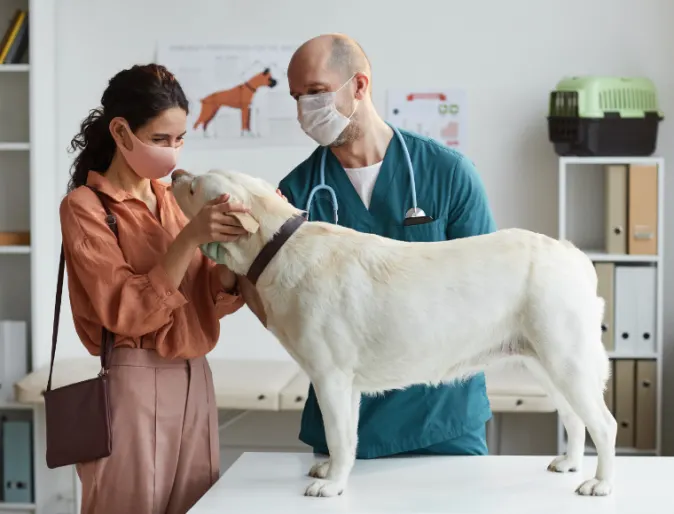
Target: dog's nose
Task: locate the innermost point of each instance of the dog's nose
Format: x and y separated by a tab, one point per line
176	174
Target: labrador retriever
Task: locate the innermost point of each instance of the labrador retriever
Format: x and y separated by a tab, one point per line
362	314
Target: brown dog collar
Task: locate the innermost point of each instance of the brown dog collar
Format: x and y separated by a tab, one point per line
272	247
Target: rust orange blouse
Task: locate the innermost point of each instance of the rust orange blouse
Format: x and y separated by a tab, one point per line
123	287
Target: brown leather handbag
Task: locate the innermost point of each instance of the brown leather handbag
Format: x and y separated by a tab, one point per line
78	418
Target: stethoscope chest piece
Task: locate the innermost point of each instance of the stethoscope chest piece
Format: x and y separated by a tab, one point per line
415	212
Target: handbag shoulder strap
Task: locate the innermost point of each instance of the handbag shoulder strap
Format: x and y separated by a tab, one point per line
107	338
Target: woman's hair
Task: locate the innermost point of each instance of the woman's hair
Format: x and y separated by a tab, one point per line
138	95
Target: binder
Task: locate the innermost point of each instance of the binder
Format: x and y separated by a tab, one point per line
624	402
609	392
13	357
642	209
615	191
635	309
606	290
646	404
17	462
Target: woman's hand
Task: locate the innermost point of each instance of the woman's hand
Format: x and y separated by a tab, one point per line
214	224
278	192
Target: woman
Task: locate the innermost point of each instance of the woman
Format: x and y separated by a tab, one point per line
154	290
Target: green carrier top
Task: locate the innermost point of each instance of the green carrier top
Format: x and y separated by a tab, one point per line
593	97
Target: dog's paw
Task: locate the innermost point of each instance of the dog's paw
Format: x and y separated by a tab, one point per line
595	487
564	464
320	469
324	488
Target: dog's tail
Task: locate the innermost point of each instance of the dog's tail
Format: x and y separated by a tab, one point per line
598	305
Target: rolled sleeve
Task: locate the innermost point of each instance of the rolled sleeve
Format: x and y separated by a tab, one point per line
224	302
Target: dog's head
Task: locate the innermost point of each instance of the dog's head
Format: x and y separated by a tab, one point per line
272	81
268	211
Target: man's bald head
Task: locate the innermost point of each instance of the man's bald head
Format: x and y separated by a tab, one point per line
347	57
328	58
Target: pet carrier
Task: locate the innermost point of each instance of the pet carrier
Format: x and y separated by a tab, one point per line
604	116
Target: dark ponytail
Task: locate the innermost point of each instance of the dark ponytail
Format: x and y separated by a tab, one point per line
96	145
138	95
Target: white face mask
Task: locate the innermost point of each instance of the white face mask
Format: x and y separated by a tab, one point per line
319	117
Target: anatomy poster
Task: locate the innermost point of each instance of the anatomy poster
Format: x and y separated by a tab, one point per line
436	113
238	94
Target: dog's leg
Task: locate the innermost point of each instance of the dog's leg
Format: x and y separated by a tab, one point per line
575	429
577	379
320	470
245	121
334	394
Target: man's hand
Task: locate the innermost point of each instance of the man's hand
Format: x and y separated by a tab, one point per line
252	299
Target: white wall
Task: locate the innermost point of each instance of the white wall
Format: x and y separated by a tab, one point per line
508	55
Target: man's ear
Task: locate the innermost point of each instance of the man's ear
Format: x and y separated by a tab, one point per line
246	220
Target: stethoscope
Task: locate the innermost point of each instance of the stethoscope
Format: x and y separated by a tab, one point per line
414	216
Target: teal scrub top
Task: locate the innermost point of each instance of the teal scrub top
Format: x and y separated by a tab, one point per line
450	190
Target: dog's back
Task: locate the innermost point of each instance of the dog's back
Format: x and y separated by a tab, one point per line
393	311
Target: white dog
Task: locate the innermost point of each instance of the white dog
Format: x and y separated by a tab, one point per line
362	314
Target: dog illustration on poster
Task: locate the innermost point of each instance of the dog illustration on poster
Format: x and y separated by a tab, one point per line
239	97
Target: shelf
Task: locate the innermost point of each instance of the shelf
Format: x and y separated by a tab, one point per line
15	406
13	147
14	249
633	356
611	160
600	256
14	68
17	507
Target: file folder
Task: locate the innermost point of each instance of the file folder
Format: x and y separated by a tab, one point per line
615	191
605	289
624	402
13	357
635	309
642	209
17	461
645	418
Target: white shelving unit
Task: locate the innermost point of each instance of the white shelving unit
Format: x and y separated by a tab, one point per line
581	220
15	211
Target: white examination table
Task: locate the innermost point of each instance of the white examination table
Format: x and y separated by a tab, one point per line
275	483
280	385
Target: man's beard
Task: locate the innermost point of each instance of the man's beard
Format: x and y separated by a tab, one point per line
350	134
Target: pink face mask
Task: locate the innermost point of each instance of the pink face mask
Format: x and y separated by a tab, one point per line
149	161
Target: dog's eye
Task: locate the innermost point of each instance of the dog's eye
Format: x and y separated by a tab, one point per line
192	187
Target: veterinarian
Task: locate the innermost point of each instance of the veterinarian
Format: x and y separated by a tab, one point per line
146	288
366	169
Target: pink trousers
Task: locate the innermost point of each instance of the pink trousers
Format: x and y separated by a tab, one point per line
165	448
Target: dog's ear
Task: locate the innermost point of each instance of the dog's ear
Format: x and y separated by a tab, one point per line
246	220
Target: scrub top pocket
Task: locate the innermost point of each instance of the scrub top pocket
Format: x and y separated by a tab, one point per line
426	232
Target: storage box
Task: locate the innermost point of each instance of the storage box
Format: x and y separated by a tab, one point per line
604	116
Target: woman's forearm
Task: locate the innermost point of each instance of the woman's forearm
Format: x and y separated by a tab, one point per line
177	258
